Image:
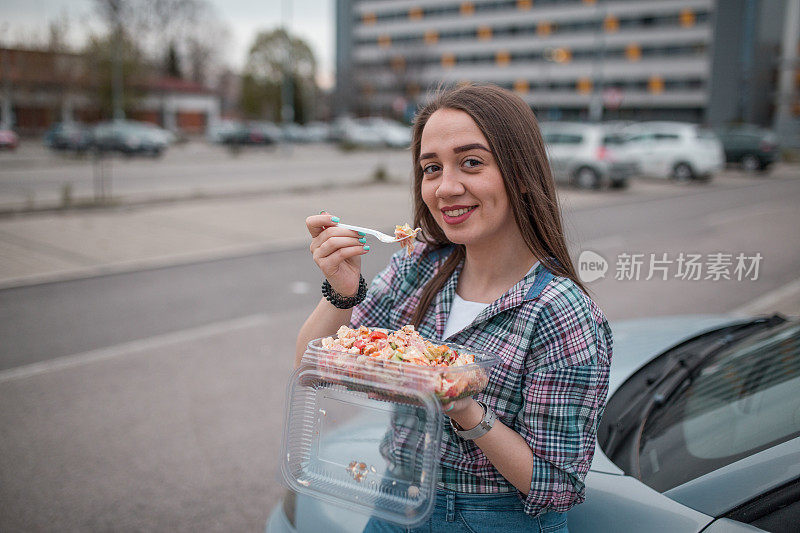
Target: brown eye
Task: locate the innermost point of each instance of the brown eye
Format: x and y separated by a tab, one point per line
430	169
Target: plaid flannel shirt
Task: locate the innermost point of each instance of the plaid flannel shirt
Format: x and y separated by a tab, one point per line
550	386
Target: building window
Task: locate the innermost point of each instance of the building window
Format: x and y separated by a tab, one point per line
415	13
467	9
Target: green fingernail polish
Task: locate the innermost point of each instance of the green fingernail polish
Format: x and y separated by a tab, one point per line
362	240
366	247
335	220
361	233
321	211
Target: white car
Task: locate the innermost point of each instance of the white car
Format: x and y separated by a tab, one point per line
587	155
676	150
701	433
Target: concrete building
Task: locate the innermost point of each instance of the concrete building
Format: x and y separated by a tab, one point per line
702	61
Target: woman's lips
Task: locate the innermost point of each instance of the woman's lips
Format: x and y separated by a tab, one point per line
464	210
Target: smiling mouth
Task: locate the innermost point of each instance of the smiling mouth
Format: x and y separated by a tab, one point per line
458	212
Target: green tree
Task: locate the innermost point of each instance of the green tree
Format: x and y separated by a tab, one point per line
276	56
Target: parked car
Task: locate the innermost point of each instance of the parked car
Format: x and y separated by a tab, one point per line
312	132
253	133
755	149
130	137
317	132
393	134
8	140
218	131
676	150
371	132
587	155
68	136
701	433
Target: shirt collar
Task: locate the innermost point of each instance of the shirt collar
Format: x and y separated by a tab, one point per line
528	288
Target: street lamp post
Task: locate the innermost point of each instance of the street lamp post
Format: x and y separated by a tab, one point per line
116	68
287	96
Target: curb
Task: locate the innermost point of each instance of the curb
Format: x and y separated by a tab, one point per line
81	206
153	263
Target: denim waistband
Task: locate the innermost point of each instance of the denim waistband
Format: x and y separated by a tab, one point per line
502	501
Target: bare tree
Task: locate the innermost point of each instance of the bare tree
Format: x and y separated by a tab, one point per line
193	27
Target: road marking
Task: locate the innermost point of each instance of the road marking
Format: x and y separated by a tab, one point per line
127	348
766	302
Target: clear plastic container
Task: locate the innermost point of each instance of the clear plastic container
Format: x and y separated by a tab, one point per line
367	436
447	383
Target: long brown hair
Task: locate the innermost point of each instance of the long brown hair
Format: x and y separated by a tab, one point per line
511	129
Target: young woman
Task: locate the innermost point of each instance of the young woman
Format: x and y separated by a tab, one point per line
493	274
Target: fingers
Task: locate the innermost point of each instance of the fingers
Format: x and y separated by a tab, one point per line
337	250
316	224
323	226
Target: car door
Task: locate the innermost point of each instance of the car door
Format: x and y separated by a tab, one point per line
667	153
641	147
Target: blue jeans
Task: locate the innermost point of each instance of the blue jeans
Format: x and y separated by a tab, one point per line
474	513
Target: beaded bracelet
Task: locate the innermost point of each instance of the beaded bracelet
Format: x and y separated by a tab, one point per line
340	301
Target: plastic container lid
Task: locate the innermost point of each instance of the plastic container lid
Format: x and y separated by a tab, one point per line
367	435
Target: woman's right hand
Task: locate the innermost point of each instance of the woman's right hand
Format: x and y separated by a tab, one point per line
337	252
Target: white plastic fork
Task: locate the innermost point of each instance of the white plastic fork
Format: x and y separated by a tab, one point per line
381	236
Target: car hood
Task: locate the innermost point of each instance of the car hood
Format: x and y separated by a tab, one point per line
638	341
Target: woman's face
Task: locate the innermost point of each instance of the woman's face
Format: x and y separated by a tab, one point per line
461	183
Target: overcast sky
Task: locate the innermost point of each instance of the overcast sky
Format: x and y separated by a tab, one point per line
313	20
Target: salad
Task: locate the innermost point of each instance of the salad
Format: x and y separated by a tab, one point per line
406	233
377	355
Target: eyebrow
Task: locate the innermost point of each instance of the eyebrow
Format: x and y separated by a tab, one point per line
457	150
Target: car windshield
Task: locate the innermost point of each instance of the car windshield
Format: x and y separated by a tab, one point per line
743	400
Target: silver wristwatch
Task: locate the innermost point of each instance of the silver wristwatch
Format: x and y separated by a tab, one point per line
481	429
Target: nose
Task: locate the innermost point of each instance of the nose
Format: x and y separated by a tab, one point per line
450	184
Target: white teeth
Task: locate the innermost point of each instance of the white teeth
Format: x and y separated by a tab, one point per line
458	212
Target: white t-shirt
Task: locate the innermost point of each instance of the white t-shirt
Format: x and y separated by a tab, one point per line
463	312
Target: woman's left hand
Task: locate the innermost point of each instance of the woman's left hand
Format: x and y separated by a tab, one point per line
466	412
